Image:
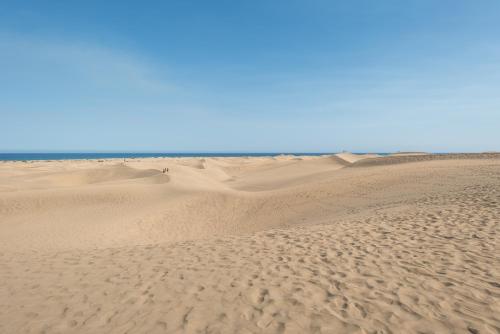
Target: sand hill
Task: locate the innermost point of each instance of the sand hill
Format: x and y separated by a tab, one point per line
407	243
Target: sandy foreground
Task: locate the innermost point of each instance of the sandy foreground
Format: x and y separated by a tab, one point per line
330	244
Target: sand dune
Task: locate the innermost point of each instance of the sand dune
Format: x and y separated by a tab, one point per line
331	244
98	175
279	174
351	157
420	157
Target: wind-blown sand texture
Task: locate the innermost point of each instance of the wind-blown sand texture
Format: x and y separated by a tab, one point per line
331	244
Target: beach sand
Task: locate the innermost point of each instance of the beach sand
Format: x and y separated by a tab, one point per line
326	244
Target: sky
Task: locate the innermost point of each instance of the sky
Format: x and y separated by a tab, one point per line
250	76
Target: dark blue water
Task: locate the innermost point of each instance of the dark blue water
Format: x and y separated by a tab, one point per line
74	156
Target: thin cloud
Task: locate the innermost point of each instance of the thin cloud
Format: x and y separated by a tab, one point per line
95	65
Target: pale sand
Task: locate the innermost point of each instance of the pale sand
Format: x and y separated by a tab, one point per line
333	244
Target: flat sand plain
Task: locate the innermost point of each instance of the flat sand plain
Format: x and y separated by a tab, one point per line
330	244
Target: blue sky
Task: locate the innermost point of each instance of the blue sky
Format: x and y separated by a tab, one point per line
250	76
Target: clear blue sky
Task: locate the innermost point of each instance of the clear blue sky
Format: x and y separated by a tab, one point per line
240	76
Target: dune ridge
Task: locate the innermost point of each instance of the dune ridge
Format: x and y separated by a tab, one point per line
419	157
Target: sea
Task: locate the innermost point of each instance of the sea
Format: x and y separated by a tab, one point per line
117	155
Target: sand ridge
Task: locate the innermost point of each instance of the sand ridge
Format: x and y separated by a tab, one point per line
251	245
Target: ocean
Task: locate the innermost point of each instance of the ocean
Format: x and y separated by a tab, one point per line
83	156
